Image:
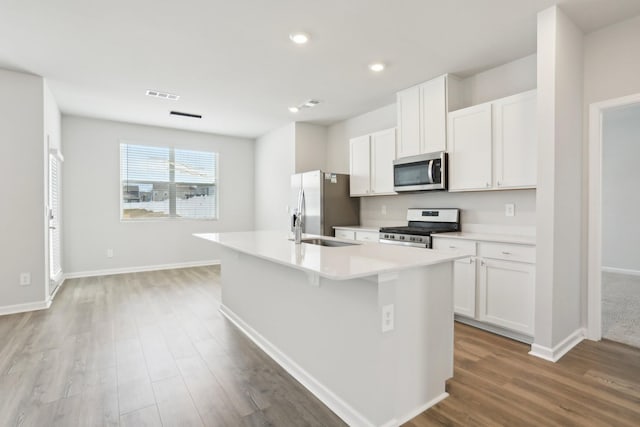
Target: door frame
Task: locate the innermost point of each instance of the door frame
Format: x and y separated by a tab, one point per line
594	241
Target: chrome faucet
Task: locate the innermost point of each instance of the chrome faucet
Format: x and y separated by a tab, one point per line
297	227
298	221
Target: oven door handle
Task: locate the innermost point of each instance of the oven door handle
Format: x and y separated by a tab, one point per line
430	171
398	243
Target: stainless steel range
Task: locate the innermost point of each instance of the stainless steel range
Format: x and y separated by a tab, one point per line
422	223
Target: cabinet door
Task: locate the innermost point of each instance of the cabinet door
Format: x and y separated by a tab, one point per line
464	275
433	116
367	236
345	234
383	153
515	141
408	105
359	167
464	287
507	294
469	148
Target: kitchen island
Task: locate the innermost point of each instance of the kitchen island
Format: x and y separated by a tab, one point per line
367	327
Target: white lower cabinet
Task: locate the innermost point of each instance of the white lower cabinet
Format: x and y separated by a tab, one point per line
464	287
367	236
345	234
496	285
506	294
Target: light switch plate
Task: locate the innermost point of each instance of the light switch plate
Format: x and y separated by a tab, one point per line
509	209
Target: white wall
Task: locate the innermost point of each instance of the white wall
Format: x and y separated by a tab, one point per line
505	80
311	147
620	195
22	170
91	198
612	62
480	208
338	134
274	165
559	284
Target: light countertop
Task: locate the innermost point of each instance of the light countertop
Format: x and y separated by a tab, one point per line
489	237
336	263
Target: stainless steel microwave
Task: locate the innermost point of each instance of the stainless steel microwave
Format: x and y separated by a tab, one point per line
421	172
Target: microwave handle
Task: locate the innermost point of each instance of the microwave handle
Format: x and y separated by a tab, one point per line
430	171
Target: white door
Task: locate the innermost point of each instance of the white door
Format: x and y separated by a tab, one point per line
359	166
383	153
433	106
469	148
55	267
515	141
408	105
507	294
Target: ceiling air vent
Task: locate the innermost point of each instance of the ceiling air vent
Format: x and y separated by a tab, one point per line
163	95
179	113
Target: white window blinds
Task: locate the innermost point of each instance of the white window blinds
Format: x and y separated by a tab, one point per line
167	182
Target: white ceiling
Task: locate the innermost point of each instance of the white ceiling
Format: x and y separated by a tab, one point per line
232	61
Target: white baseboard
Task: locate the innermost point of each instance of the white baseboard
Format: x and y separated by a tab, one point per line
341	408
621	271
554	354
417	411
326	396
63	278
140	269
22	308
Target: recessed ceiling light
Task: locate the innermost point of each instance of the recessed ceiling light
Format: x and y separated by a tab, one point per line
376	67
163	95
299	38
294	109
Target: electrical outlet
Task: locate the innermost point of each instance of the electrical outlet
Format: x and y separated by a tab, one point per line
25	279
387	318
509	209
109	253
383	210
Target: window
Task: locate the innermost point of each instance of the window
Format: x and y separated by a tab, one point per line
167	182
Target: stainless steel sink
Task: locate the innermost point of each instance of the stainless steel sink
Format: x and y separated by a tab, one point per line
326	242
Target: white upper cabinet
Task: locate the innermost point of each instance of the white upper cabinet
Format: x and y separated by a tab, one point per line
408	104
371	163
470	148
422	119
514	123
492	146
359	166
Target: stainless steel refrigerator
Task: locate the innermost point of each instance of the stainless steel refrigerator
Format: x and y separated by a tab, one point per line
325	201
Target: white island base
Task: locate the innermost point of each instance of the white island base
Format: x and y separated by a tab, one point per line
327	332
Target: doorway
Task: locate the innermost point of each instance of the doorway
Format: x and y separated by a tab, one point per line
614	231
53	202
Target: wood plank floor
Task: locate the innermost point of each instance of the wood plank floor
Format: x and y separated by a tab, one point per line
149	349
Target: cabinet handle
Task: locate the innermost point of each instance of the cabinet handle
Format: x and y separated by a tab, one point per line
506	253
487	185
452	247
482	263
499	184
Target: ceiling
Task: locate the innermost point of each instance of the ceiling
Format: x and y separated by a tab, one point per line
232	61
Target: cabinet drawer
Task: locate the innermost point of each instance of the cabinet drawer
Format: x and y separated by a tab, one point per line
466	246
521	253
345	234
367	236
